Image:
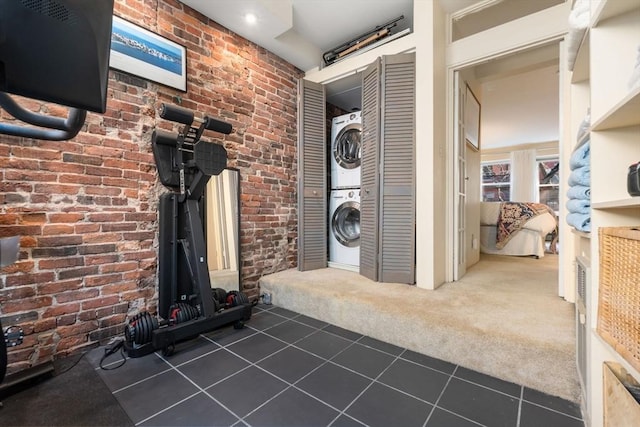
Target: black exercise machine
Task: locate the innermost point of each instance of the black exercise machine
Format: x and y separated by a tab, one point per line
187	302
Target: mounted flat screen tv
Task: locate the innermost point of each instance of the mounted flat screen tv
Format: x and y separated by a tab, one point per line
56	50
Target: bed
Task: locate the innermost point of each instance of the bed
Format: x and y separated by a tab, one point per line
515	228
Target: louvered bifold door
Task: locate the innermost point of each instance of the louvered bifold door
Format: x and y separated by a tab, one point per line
312	184
370	171
397	157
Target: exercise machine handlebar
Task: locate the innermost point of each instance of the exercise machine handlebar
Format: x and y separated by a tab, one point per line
217	125
178	114
163	137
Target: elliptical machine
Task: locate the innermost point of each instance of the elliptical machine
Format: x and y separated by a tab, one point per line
187	302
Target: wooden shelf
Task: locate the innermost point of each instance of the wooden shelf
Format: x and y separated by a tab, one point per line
581	63
581	233
624	113
599	80
620	408
629	203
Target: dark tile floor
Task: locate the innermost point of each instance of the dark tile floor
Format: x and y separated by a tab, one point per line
286	369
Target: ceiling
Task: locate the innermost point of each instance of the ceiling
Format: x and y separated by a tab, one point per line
300	31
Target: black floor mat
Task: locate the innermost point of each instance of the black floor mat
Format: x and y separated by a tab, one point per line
75	397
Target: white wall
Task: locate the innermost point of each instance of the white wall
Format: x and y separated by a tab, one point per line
431	193
521	108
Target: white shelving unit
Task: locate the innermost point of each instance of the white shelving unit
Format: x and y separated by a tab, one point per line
599	82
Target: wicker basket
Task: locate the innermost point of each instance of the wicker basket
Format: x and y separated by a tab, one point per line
619	299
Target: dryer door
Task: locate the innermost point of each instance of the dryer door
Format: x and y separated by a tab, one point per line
345	224
347	146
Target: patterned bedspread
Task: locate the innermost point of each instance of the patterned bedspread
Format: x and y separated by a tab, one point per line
513	216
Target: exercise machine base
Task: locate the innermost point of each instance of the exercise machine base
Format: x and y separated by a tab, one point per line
165	337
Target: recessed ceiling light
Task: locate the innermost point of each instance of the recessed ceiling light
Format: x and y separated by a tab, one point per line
250	18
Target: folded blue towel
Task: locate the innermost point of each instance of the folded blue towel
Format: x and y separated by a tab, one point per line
579	206
579	192
580	176
580	156
581	222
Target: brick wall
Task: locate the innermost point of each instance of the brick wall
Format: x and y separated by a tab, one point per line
86	209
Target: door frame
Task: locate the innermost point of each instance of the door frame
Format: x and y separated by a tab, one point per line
474	59
459	184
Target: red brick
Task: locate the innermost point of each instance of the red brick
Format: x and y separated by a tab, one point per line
77	295
66	217
57	287
44	325
17	293
59	310
100	302
77	272
58	240
15	306
18	267
29	279
103	279
56	229
102	185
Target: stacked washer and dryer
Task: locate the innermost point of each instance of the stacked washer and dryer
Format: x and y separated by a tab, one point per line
344	200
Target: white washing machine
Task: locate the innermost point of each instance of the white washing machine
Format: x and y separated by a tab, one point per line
346	150
344	229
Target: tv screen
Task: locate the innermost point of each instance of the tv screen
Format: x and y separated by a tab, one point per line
56	50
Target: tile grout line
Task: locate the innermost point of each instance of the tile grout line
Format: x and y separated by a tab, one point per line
290	385
433	408
490	388
551	409
396	357
316	329
435	405
520	406
195	385
141	381
325	361
375	380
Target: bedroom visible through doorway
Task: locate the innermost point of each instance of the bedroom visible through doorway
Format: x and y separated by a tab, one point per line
518	155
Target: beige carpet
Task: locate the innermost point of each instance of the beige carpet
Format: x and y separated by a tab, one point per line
503	318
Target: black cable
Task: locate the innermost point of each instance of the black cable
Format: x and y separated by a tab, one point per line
73	365
112	349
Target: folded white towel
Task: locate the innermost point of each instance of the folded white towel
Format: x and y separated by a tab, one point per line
580	14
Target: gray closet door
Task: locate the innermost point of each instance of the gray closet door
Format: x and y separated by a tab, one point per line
387	217
312	187
369	185
397	192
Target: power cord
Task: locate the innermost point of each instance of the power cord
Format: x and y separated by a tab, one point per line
114	345
72	365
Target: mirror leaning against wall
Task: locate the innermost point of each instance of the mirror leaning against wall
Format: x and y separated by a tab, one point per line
222	227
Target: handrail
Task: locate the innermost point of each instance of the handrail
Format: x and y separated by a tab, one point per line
58	129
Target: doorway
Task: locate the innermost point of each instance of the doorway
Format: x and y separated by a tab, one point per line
519	98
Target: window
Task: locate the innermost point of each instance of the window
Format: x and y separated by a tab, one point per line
496	181
549	182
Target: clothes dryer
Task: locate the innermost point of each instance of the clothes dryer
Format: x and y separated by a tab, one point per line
346	150
344	229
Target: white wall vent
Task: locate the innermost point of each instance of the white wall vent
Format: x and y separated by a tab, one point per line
583	284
